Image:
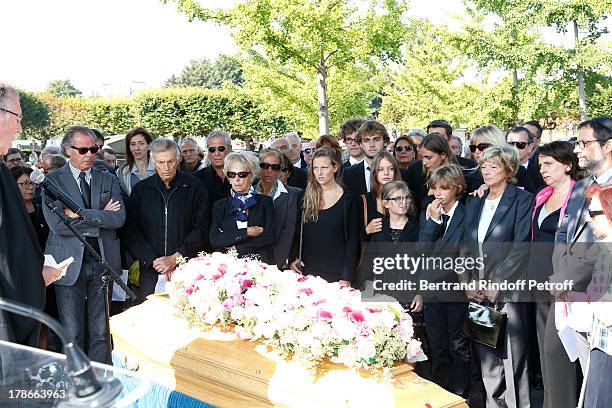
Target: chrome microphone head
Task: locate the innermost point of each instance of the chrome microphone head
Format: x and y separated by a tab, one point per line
37	177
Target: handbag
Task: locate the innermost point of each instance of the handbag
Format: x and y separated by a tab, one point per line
486	325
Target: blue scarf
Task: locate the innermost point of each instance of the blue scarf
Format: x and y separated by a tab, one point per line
240	203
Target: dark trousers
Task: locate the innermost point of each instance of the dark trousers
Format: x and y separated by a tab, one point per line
450	355
558	372
598	392
504	370
81	307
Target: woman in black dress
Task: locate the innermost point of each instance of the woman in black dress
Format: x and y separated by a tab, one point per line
244	220
328	236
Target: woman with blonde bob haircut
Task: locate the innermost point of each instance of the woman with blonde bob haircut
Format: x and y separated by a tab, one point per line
244	220
327	236
497	227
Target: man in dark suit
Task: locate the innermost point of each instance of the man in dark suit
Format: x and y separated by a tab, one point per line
443	128
373	137
298	177
348	132
219	145
524	141
295	151
533	167
80	302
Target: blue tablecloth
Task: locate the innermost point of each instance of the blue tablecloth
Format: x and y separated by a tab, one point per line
157	395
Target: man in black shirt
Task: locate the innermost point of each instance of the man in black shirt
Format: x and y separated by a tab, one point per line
443	128
219	145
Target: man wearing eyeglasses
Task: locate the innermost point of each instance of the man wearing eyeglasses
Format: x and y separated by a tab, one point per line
13	158
218	146
348	132
22	275
524	141
80	302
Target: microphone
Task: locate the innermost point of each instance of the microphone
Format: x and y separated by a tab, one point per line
38	177
88	390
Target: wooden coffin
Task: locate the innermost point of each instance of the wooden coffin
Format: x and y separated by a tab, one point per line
218	368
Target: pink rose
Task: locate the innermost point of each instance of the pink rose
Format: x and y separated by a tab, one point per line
247	283
318	302
357	316
307	291
414	349
302	279
347	309
222	269
374	310
228	304
199	277
324	315
189	290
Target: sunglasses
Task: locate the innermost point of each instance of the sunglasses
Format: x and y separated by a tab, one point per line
595	213
399	199
266	166
479	146
213	149
519	145
399	149
84	150
241	174
308	151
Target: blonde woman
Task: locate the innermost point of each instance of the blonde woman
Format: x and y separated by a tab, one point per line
244	219
328	237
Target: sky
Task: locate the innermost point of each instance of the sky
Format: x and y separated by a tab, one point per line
115	47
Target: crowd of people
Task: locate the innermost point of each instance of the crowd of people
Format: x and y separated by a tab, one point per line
309	206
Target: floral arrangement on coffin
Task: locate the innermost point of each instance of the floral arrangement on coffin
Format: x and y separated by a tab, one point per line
302	317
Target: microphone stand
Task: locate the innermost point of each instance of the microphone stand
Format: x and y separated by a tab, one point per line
107	276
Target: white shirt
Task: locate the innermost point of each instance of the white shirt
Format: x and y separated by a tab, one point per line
368	175
543	214
353	161
605	177
486	216
280	188
298	163
450	216
526	164
76	172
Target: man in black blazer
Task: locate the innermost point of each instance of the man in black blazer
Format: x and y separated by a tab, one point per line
523	140
295	151
298	177
534	167
443	128
219	145
348	133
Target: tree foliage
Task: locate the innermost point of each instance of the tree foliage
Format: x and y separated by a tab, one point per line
62	88
298	52
209	75
35	111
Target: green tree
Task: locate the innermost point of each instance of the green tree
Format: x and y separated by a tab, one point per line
205	74
312	45
35	112
62	88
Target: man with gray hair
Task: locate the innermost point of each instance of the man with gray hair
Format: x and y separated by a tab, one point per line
219	145
190	150
298	177
294	154
21	258
182	230
80	302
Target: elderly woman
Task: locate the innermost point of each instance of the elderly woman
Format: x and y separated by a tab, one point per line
497	226
559	168
245	219
405	151
286	201
491	135
137	165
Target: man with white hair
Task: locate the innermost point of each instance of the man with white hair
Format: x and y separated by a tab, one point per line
219	145
190	150
296	148
182	230
298	177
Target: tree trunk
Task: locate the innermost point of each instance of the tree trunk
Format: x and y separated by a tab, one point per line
322	97
515	95
581	94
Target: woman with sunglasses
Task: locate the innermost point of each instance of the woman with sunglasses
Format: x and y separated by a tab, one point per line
137	165
404	151
327	237
245	219
559	167
490	135
286	200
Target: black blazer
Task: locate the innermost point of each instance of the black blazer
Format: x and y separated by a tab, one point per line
286	215
346	164
353	178
217	188
410	233
225	233
533	168
505	241
466	163
298	179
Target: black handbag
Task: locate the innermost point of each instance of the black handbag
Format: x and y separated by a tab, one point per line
486	325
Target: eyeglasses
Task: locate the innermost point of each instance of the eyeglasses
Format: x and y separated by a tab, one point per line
12	113
584	143
479	146
399	149
266	166
26	184
399	199
213	149
518	145
349	140
595	213
308	151
241	174
84	150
